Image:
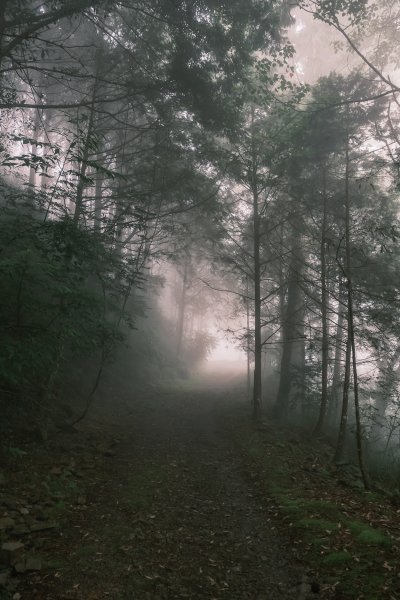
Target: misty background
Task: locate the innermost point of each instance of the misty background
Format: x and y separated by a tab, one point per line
197	187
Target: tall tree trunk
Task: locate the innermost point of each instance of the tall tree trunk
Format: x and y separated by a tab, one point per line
257	389
351	332
182	308
43	174
337	365
345	404
3	6
290	328
351	346
360	449
98	203
83	169
386	384
86	147
324	315
298	362
248	337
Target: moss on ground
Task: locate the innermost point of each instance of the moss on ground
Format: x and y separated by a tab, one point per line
337	559
344	549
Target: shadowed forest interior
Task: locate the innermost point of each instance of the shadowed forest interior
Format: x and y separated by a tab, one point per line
199	299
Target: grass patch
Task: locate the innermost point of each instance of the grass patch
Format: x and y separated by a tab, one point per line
300	506
62	486
365	534
373	537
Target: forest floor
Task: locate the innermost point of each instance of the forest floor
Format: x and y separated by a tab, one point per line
177	495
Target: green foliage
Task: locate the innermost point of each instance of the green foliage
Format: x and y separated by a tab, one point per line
15	452
62	486
58	299
340	541
313	523
331	11
368	535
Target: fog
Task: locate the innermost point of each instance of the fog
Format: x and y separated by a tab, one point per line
203	190
199	299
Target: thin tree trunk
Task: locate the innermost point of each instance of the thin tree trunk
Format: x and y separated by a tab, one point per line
86	149
257	390
83	169
3	6
351	333
324	317
43	177
181	309
98	203
337	366
299	353
290	329
345	404
351	346
360	449
248	337
36	127
386	384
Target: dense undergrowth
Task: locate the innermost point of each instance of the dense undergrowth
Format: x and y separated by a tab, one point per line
79	320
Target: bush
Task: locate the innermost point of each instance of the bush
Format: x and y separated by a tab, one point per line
58	299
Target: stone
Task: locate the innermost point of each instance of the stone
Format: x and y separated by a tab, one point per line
34	498
4	577
10	551
40	514
6	523
43	526
29	521
56	471
21	530
33	564
10	503
20	567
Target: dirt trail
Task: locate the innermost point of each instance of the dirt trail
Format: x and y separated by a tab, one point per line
171	514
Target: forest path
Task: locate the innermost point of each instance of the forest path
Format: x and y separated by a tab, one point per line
170	513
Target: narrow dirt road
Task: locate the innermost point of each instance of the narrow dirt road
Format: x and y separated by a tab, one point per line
170	513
